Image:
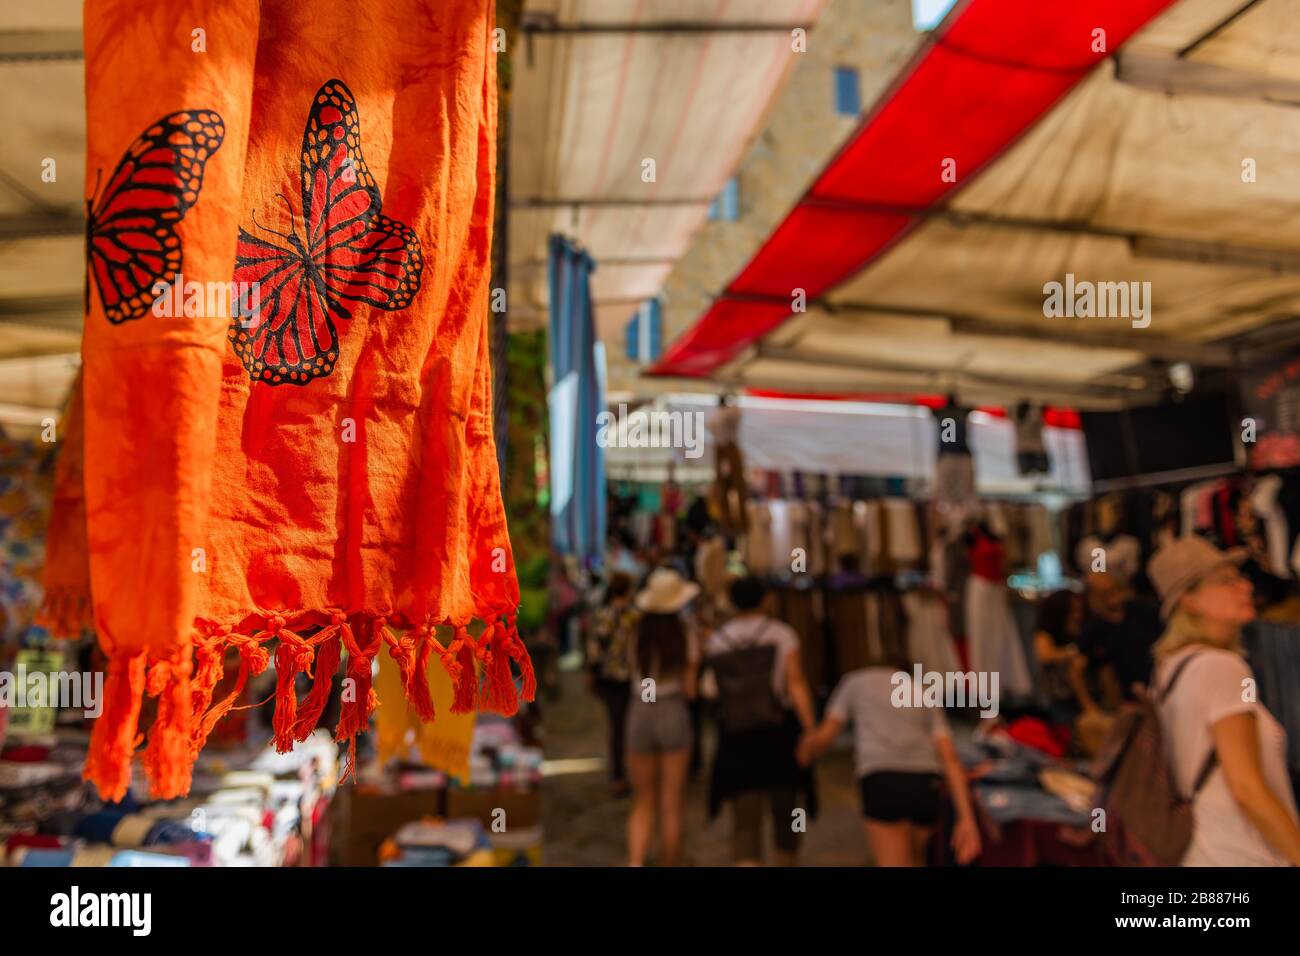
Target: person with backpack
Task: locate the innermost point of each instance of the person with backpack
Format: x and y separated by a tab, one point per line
1225	751
609	638
764	705
664	662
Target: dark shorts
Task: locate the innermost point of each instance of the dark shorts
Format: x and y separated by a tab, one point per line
892	796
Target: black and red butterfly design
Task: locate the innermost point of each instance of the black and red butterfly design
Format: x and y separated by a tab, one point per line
131	241
348	252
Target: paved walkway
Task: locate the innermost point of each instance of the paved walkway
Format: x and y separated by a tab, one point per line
585	826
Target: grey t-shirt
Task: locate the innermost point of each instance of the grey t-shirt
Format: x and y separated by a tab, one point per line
886	737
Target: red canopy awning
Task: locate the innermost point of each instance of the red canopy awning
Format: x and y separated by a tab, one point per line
989	73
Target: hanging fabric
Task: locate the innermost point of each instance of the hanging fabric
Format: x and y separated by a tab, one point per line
305	467
576	399
993	640
727	492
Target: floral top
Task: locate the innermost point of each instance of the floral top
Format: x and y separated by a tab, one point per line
609	641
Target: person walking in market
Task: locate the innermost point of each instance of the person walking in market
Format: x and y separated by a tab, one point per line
764	706
609	638
664	664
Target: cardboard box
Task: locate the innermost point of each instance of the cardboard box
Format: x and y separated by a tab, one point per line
361	819
522	807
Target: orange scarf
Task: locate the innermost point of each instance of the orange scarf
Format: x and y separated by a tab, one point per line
315	476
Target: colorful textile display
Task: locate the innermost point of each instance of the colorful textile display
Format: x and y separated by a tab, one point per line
307	467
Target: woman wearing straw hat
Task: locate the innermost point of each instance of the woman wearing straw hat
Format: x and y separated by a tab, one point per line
1225	748
664	659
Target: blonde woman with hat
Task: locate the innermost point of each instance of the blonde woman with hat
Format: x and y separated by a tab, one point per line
664	665
1227	752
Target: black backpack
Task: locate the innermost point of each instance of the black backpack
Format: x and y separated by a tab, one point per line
743	672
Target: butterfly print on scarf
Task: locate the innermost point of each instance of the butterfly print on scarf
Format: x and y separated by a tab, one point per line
131	241
348	251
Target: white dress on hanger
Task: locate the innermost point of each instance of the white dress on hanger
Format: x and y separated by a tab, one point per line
992	639
929	642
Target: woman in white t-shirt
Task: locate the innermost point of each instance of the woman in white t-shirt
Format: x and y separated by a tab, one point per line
1226	750
901	757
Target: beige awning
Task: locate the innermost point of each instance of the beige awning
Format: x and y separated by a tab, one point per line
604	88
1176	163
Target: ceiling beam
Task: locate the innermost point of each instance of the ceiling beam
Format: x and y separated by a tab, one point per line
1130	340
56	312
626	261
544	24
1165	73
52	223
933	378
41	304
1058	331
1218	28
597	202
18	46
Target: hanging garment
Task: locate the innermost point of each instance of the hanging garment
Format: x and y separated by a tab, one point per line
307	464
929	641
885	563
956	577
814	534
758	542
797	515
886	625
1197	504
847	610
1014	535
1264	502
798	608
575	403
727	492
904	532
443	744
995	514
843	532
992	639
1031	452
951	422
782	532
711	567
1039	533
1273	648
954	489
66	609
866	518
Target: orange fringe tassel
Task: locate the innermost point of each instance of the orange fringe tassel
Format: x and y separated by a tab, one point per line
184	687
328	654
113	739
498	692
166	756
363	699
466	672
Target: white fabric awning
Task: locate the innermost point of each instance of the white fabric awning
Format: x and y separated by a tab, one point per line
846	437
